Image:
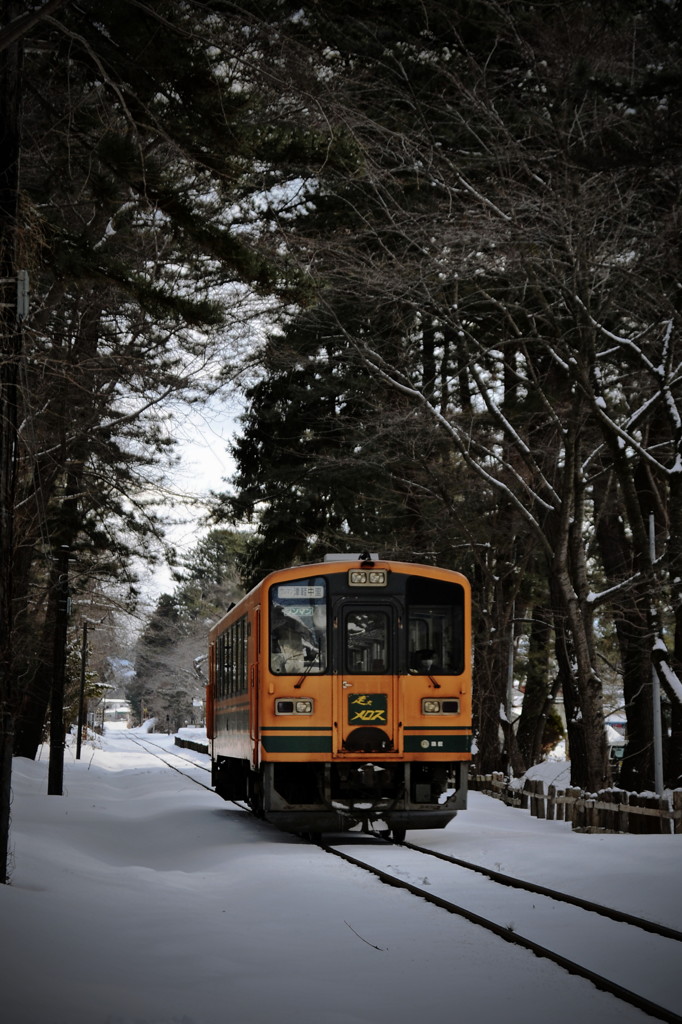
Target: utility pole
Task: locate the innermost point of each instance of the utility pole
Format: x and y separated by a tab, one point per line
81	692
55	771
656	689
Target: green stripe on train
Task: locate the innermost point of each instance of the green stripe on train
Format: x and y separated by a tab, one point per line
297	744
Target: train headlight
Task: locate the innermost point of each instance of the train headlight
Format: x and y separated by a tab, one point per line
300	706
444	706
367	578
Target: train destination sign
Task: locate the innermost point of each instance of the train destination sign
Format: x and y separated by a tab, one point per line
299	591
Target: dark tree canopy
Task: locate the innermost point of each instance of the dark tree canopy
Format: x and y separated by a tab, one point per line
486	369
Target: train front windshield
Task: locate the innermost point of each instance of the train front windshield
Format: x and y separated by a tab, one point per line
432	643
298	626
435	626
367	642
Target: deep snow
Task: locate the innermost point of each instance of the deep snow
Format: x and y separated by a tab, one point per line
139	898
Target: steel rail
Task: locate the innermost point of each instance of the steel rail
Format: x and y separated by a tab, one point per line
561	897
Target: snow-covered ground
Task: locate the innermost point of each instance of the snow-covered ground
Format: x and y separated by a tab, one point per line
139	898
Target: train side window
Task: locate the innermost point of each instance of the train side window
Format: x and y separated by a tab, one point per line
435	626
224	664
367	641
220	665
244	678
298	626
231	660
237	656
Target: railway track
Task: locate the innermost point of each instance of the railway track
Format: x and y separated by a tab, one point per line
634	959
169	757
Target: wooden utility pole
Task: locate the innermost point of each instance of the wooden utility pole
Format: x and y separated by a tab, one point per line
55	771
81	691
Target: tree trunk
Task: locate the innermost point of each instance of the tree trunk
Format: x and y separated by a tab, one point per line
633	632
575	640
10	350
45	670
535	704
36	688
495	742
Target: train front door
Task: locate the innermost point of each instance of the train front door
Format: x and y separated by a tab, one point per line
365	679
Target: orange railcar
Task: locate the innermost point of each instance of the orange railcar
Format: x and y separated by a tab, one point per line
340	694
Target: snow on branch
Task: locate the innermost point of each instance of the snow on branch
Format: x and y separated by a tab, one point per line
629	343
660	373
624	433
669	678
606	595
509	430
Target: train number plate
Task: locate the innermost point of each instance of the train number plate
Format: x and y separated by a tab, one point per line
367	707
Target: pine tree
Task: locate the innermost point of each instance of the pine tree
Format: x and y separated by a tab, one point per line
171	653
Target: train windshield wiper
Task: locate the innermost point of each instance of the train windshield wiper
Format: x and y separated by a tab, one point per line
308	670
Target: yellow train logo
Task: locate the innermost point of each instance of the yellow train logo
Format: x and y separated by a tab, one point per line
368	707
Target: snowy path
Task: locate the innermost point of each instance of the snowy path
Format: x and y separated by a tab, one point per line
139	898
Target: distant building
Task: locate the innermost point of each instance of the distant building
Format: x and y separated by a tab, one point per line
116	709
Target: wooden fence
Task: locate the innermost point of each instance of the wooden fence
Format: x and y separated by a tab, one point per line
611	810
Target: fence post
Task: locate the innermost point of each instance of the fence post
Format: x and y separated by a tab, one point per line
654	824
677	811
551	802
611	816
665	824
539	798
623	811
617	800
578	809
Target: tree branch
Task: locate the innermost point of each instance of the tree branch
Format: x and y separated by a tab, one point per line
20	26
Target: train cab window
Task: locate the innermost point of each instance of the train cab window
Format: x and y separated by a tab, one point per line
435	626
298	626
367	641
